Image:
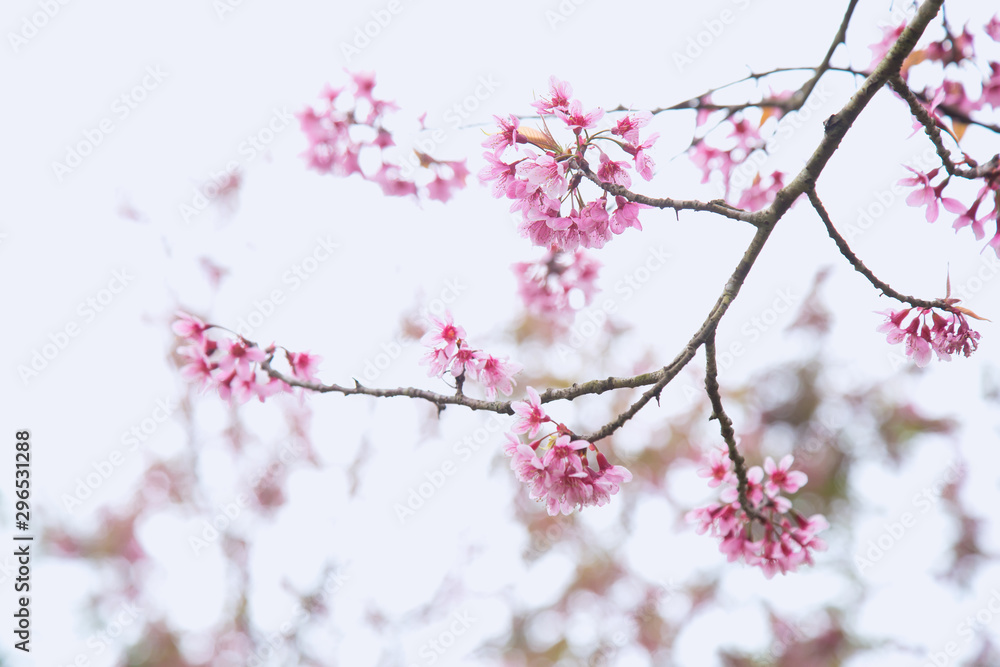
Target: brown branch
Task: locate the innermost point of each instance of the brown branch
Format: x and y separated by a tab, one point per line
726	427
836	126
838	39
934	134
835	129
715	206
859	266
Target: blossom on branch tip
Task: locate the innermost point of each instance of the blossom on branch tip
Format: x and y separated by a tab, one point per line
338	135
776	538
304	365
944	334
556	471
233	367
545	285
529	415
444	332
540	184
781	477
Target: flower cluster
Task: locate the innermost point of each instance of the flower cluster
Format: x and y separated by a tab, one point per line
946	334
732	163
777	539
545	285
930	195
952	99
347	135
232	366
555	467
541	182
450	351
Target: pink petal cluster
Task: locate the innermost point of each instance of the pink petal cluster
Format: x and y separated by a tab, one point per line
781	539
347	130
555	467
946	334
930	195
545	285
540	183
759	196
450	352
232	366
743	140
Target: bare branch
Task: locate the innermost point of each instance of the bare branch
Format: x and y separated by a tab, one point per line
859	266
726	427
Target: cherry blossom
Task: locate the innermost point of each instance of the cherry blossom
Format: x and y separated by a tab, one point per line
541	183
776	539
561	476
348	125
232	365
545	285
529	415
497	374
927	331
781	477
449	350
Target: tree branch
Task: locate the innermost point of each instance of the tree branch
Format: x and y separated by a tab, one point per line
726	427
838	124
934	133
859	266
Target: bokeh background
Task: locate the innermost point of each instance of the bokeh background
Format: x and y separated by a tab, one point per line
319	568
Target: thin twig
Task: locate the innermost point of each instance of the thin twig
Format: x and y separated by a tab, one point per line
726	427
859	266
934	134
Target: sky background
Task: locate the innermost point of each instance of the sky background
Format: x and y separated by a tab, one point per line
223	75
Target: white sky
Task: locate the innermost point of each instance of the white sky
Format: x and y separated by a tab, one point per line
227	78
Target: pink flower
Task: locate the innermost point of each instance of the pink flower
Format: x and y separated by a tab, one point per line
577	119
719	468
643	163
945	334
189	326
502	174
781	477
304	365
558	99
545	285
529	415
444	332
926	195
199	370
757	196
438	361
614	172
389	178
507	136
466	361
364	83
497	374
238	355
710	159
993	28
625	215
559	473
608	480
544	173
270	388
628	127
786	538
566	486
